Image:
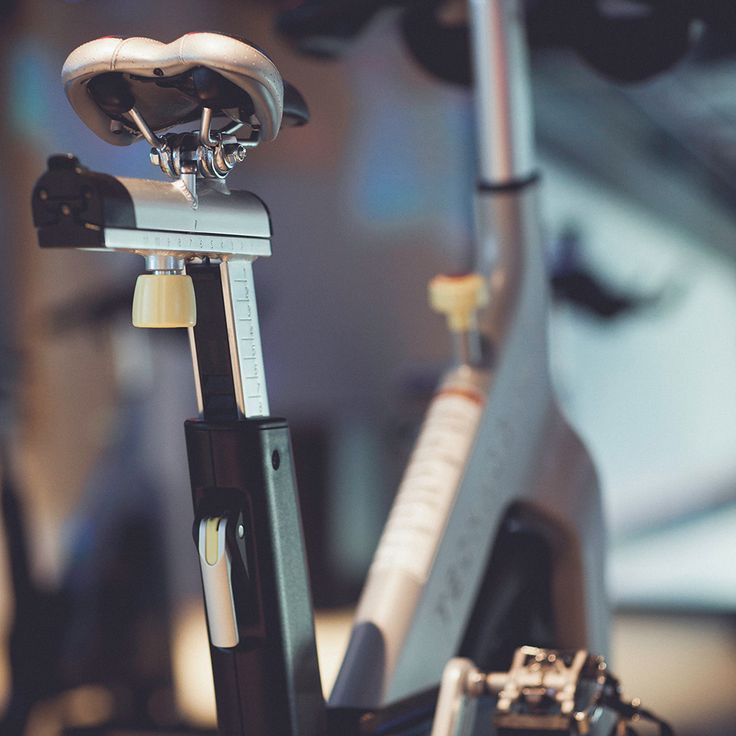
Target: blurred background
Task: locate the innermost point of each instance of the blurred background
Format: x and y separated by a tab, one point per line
100	609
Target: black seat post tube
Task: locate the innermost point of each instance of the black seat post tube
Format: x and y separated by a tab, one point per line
247	524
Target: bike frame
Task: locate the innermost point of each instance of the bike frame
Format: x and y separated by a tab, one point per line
524	461
515	463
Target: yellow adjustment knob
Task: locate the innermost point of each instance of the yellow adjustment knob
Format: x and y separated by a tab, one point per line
458	298
164	300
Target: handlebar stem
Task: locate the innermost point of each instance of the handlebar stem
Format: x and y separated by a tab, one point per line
505	134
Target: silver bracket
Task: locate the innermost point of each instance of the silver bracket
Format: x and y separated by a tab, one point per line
203	154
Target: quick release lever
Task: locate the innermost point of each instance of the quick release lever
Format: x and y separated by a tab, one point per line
219	562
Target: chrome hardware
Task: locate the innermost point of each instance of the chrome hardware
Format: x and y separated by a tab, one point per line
543	691
202	154
159	263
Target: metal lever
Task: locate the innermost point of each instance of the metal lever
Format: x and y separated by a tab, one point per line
216	564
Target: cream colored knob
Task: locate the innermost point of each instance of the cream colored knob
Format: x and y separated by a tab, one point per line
164	300
459	298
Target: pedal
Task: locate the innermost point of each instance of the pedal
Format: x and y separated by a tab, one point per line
544	692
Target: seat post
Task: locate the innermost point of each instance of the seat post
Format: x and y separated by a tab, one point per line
504	123
199	241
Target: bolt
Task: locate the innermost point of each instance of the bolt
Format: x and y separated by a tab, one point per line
43	195
241	531
476	682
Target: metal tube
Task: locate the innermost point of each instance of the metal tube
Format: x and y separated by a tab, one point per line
164	263
467	348
151	138
505	133
205	129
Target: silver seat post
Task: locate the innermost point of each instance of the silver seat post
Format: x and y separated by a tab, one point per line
505	135
508	242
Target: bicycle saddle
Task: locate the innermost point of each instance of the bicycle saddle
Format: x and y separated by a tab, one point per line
170	83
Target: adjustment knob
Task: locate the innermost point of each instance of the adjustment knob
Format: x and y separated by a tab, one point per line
458	298
164	300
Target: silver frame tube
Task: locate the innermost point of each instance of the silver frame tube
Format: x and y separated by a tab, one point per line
407	628
505	126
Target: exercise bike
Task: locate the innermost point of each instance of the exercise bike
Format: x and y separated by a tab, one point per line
494	541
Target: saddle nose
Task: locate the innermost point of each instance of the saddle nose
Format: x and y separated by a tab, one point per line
170	83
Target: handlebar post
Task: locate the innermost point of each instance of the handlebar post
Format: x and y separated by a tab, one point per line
505	133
